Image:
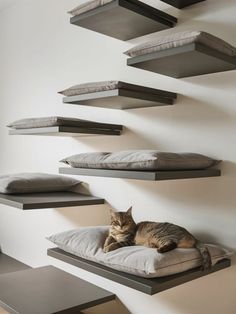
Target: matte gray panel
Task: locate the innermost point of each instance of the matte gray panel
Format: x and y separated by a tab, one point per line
148	286
9	264
142	175
48	200
48	290
124	19
185	61
182	3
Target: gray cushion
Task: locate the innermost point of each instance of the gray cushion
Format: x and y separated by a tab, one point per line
181	39
140	160
88	242
87	6
35	182
59	121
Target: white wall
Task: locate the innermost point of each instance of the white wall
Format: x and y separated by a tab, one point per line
42	53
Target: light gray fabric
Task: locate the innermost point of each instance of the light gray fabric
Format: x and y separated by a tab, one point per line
140	160
181	39
87	243
35	183
91	87
87	6
57	121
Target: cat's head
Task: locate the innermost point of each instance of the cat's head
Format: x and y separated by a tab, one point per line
122	221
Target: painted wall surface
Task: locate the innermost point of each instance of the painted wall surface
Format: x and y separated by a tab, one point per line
41	53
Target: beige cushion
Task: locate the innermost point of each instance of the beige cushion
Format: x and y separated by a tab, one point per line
87	6
141	160
88	242
181	39
35	183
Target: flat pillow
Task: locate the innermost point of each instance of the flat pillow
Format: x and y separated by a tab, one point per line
35	183
87	6
59	121
140	160
181	39
87	243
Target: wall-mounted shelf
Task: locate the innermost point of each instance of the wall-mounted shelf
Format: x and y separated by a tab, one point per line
185	61
65	131
48	290
48	200
142	175
121	98
149	286
180	4
124	19
9	264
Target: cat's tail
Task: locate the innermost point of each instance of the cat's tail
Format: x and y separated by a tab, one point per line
205	255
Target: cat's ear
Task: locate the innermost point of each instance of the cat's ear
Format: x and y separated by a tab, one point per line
129	211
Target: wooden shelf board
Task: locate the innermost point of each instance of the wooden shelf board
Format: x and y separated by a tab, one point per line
180	4
186	61
123	99
9	264
64	131
48	200
124	19
141	175
48	290
148	286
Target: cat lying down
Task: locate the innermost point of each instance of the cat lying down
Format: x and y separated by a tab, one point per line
162	236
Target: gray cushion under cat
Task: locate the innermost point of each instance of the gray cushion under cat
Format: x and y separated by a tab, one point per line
35	183
140	160
87	242
181	39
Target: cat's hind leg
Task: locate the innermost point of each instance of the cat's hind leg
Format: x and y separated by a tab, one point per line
166	247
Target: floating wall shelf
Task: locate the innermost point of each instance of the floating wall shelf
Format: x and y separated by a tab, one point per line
142	175
48	290
148	286
180	4
49	200
134	97
124	19
65	131
9	264
189	60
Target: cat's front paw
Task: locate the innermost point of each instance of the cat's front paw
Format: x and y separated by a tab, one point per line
106	249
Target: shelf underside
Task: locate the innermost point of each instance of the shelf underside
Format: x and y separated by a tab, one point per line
65	131
180	4
48	290
142	175
122	99
124	19
186	61
48	200
148	286
9	264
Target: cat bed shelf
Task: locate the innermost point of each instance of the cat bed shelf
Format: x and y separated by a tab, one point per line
180	4
124	19
121	98
148	286
9	264
142	175
48	200
185	61
48	290
65	131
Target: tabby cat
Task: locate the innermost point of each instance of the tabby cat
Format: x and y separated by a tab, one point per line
162	236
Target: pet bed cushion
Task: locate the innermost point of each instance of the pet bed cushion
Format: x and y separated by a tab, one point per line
87	6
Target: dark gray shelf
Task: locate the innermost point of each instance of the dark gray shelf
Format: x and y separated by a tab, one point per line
148	286
65	131
180	4
9	264
49	200
48	290
124	19
142	175
132	98
189	60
